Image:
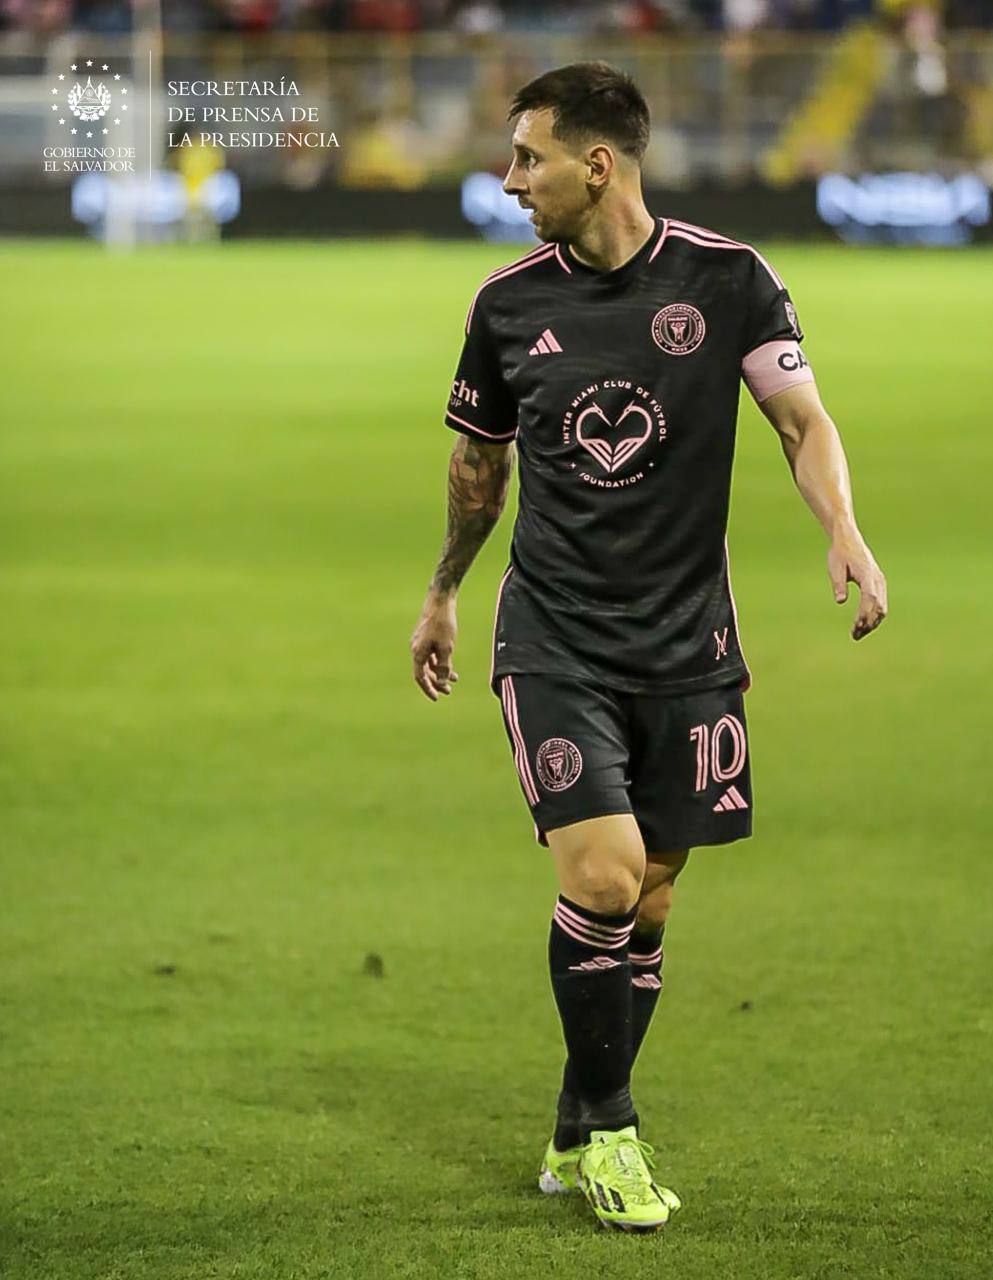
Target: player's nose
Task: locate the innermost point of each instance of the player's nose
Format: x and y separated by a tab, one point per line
512	184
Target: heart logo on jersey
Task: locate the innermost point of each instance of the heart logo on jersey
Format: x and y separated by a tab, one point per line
611	456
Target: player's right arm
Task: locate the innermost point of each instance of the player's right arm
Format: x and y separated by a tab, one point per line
483	411
478	479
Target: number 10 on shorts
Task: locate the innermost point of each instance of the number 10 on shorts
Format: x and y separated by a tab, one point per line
727	738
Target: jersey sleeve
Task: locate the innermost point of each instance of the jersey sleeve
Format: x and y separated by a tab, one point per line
772	360
481	404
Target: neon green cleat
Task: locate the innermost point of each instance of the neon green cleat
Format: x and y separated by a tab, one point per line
558	1170
615	1176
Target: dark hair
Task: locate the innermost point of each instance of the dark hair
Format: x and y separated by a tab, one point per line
590	100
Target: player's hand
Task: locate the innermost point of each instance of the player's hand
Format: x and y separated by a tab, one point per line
850	560
432	645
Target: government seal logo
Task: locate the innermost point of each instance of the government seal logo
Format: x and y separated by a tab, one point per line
91	101
678	329
559	764
87	102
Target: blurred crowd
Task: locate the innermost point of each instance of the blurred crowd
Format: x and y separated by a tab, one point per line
113	17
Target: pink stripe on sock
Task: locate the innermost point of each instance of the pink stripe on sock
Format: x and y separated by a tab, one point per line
595	926
573	934
652	957
581	929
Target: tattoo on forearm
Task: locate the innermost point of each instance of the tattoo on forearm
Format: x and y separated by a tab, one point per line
478	476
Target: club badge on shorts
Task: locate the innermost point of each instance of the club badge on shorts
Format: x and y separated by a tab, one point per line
678	329
559	763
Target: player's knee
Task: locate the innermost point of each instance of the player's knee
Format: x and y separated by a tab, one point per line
653	907
609	886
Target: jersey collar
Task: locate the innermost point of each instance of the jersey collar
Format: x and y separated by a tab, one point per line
572	266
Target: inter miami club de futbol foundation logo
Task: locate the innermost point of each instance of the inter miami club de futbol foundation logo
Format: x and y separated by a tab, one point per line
90	103
678	329
615	425
559	763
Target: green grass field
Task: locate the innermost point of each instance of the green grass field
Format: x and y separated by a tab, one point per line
222	499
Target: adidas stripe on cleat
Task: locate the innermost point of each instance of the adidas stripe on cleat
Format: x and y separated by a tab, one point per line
615	1177
559	1170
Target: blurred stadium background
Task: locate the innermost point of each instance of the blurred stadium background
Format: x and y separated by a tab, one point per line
874	117
272	952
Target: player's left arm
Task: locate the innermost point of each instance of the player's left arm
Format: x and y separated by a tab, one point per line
814	451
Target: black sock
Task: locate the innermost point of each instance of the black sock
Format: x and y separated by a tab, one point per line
591	979
645	957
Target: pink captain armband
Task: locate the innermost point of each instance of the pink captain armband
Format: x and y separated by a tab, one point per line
774	367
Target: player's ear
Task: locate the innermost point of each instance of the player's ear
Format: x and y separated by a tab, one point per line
599	164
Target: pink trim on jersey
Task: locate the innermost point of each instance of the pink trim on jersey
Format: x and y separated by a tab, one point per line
496	616
661	239
734	613
479	430
562	262
711	240
773	367
541	254
646	958
521	755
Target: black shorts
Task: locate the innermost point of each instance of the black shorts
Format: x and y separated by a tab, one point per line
679	762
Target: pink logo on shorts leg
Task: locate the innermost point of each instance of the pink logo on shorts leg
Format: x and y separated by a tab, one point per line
559	763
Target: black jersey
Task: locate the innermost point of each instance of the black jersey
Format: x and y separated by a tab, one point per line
621	391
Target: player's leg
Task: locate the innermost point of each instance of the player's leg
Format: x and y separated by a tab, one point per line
600	865
645	957
569	742
645	946
601	869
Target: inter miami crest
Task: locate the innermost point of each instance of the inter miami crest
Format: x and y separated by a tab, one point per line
678	329
559	764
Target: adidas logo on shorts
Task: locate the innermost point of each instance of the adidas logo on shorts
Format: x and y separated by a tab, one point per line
731	799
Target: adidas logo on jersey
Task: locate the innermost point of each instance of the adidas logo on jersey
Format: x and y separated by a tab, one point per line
546	345
731	799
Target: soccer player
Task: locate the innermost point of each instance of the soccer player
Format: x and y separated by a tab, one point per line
612	355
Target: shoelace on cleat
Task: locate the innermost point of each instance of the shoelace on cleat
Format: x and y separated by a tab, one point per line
630	1156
